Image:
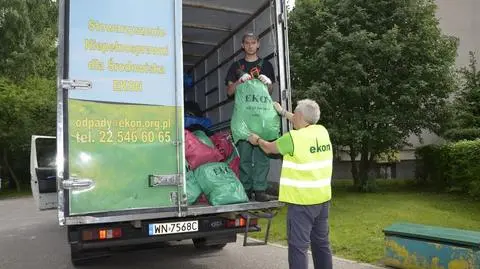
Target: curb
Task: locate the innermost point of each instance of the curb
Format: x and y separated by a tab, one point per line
309	252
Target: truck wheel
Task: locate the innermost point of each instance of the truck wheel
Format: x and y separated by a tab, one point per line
200	243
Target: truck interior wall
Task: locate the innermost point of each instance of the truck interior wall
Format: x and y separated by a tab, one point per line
209	89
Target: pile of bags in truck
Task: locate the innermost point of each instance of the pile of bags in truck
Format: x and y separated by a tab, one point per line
212	168
213	162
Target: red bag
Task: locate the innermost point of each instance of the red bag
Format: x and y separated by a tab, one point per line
235	166
197	153
202	199
222	143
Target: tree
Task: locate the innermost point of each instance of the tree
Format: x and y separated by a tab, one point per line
380	70
28	34
28	31
464	123
26	109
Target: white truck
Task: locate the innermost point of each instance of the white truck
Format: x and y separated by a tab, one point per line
116	172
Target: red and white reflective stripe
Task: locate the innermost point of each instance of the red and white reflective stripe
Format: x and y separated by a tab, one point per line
305	183
307	166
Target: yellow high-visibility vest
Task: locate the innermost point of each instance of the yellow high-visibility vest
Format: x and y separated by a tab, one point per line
307	174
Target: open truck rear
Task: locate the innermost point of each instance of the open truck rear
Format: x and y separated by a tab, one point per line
119	175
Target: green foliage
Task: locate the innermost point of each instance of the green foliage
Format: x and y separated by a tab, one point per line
462	134
27	34
28	108
464	123
431	166
380	70
451	167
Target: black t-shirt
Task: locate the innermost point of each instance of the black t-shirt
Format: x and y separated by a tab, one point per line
237	69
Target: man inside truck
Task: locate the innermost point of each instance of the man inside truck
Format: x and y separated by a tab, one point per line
254	163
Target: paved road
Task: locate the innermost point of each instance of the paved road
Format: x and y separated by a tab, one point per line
33	239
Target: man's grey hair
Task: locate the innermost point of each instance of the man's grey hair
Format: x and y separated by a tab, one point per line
309	109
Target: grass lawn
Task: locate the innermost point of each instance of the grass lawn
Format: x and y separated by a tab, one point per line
357	219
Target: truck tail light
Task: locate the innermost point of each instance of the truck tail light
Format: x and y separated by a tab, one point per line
101	234
239	222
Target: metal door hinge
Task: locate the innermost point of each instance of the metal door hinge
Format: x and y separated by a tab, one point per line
164	180
285	94
77	183
73	84
174	197
177	142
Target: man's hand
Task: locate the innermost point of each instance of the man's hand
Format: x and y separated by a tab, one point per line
278	107
253	139
244	78
265	80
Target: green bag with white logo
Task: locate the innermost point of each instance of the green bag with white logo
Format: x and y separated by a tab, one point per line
220	184
193	188
254	112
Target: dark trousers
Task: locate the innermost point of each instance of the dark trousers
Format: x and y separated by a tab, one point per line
308	226
254	166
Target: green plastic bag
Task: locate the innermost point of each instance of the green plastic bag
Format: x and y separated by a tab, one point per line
193	188
254	112
202	136
220	184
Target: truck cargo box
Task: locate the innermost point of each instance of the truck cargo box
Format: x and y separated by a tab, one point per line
123	68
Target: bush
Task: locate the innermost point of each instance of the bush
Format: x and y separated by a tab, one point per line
429	166
450	167
465	166
462	134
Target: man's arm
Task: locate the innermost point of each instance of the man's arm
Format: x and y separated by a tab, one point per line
268	147
283	145
288	115
283	112
232	86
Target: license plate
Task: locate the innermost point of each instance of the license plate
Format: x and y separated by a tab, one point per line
173	227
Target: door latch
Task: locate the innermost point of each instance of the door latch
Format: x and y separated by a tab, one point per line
75	184
73	84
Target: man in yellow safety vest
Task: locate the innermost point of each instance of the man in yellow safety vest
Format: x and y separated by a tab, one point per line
304	183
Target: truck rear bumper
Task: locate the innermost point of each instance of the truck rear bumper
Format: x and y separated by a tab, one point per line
214	228
146	214
226	236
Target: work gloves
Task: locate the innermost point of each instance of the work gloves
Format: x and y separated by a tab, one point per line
264	79
245	77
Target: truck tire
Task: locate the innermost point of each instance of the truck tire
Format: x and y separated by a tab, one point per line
200	243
